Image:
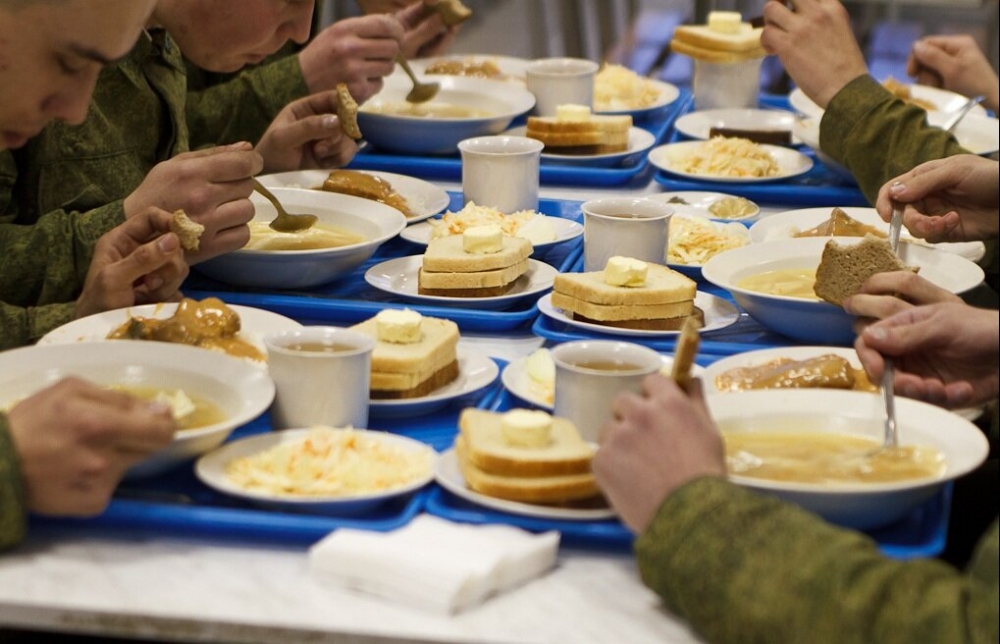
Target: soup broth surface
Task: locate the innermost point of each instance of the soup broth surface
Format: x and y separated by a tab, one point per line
263	237
205	412
789	282
429	110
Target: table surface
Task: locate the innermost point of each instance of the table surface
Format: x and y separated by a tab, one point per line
151	586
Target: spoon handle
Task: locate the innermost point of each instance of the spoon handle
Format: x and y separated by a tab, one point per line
887	389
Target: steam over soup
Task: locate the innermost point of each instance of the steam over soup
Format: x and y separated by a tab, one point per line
428	110
788	282
263	237
826	458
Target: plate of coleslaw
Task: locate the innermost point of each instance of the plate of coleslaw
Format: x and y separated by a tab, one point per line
693	240
729	160
319	470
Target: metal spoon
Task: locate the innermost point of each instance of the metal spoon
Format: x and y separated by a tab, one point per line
887	384
950	124
421	92
284	222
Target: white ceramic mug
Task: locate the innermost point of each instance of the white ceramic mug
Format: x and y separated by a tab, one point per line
321	375
590	373
501	172
726	85
630	227
558	81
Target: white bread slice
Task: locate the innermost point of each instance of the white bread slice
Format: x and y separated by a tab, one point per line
844	268
482	433
606	123
447	255
746	39
474	279
663	286
611	312
543	490
401	370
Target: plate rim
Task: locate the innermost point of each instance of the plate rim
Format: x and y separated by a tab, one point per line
665	89
807	164
683	121
575	226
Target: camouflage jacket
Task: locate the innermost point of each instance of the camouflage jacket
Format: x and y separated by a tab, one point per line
12	513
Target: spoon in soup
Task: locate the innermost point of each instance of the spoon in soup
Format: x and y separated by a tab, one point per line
284	222
887	384
421	92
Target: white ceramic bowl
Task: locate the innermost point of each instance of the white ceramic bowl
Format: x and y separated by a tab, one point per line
818	322
425	135
242	392
374	221
863	505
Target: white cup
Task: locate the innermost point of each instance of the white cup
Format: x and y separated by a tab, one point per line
590	373
726	85
558	81
630	227
321	375
501	172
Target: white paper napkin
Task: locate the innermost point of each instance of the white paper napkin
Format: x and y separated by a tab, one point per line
433	563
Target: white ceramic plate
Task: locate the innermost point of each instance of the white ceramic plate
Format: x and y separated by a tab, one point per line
791	163
667	95
424	198
514	68
210	469
565	229
639	141
698	124
399	277
475	371
718	315
254	323
449	476
944	100
784	225
696	202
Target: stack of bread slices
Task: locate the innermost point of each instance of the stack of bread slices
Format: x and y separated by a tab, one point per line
575	131
524	455
725	38
413	356
628	293
481	262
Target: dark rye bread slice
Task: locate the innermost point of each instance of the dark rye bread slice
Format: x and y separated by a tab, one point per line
845	267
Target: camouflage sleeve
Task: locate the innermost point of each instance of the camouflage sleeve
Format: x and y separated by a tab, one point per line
13	519
878	136
21	326
742	567
241	108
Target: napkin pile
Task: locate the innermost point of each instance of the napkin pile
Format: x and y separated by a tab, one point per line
433	563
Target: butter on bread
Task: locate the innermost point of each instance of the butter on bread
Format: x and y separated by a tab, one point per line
453	12
347	112
449	269
843	268
552	471
575	130
724	39
187	230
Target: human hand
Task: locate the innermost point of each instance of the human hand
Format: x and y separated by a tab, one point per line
306	134
137	262
951	200
885	294
956	63
426	34
212	186
656	442
356	51
75	441
816	44
945	354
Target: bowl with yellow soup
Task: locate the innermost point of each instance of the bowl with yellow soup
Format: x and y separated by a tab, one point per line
773	282
210	393
463	108
348	231
813	447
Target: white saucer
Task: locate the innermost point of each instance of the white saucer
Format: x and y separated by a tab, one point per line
565	229
399	277
475	372
697	202
639	141
791	163
699	124
719	314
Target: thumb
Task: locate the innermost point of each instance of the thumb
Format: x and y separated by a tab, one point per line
930	55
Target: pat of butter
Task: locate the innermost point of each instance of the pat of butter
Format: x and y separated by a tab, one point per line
482	240
625	271
399	326
572	112
526	428
725	22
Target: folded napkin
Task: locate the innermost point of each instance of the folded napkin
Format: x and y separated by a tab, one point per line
433	563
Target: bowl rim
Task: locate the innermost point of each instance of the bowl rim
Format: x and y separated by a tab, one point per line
518	99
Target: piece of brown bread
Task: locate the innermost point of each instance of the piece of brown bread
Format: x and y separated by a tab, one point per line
347	112
187	230
844	268
453	12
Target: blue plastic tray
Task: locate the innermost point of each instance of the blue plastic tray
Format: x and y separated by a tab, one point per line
449	167
350	299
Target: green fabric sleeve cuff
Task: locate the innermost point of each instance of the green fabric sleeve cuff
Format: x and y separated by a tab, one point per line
13	510
847	108
42	319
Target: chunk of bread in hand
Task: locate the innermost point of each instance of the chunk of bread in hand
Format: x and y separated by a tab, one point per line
347	112
187	230
844	268
453	12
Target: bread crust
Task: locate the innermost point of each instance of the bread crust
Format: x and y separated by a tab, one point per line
452	12
187	230
347	112
612	312
844	268
438	379
663	324
714	56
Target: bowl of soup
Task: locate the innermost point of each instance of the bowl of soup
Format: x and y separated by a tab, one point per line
773	282
211	393
463	108
817	448
348	231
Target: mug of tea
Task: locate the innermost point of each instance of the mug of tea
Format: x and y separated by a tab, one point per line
629	227
590	373
321	377
501	172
